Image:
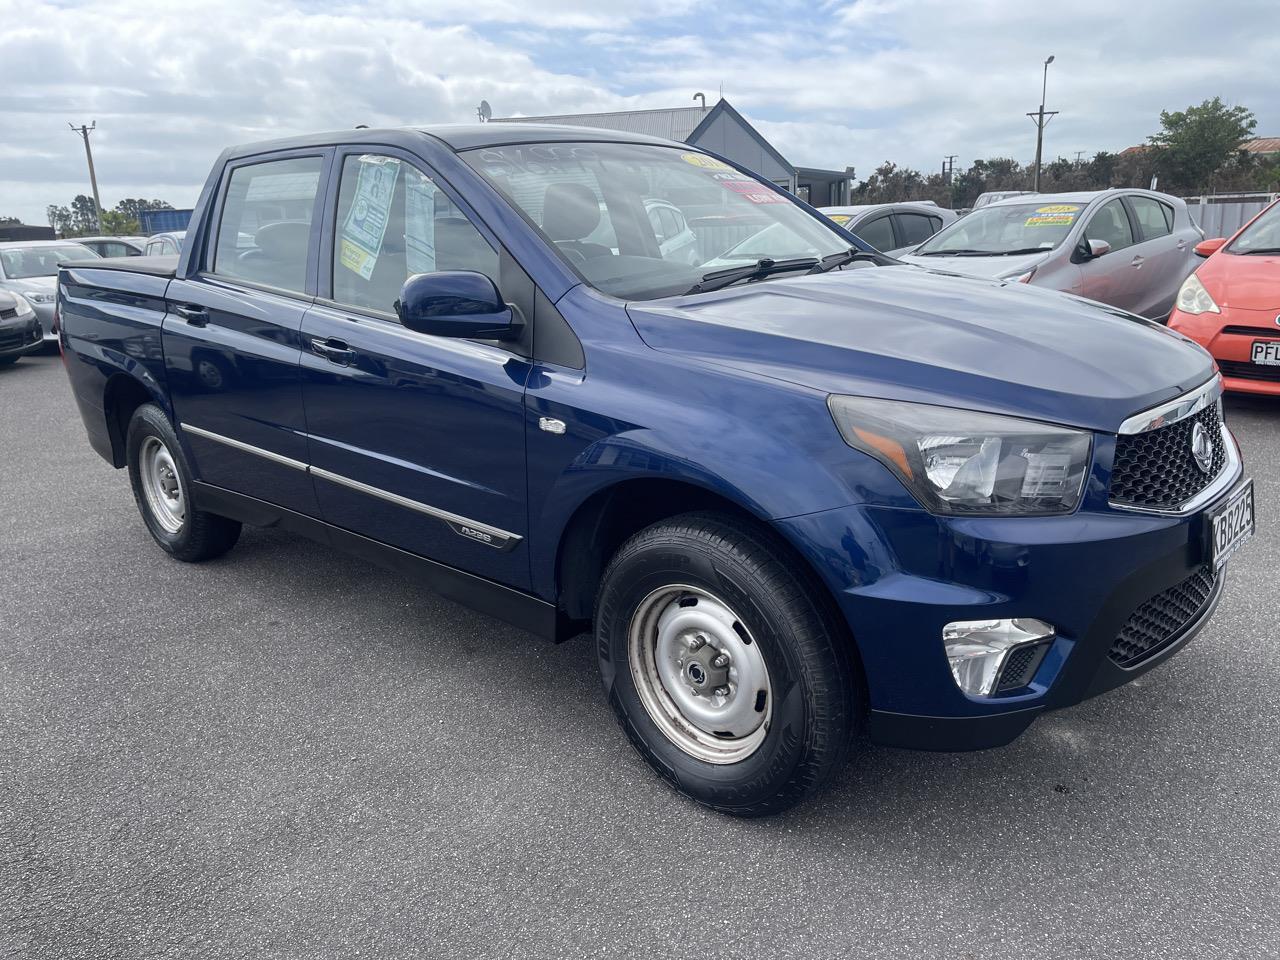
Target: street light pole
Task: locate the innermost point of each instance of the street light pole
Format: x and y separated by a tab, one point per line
84	132
1041	119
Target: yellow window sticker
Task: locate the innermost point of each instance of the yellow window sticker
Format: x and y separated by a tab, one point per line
705	162
839	218
1058	208
1051	220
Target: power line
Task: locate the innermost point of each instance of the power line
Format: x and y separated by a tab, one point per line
84	132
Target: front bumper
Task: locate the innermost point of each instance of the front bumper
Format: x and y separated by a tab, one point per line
44	313
900	575
20	335
1229	337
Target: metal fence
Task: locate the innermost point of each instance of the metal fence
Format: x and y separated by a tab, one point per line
1223	214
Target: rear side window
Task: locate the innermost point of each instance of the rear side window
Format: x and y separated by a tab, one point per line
394	222
916	228
1155	219
878	233
265	231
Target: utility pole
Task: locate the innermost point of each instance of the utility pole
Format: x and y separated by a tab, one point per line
1041	119
84	132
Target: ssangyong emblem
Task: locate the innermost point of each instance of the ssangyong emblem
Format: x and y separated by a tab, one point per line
1201	448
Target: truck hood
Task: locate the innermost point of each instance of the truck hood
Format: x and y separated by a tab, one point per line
915	335
992	267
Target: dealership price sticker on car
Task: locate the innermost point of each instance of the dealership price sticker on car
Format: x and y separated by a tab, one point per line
1266	352
1232	524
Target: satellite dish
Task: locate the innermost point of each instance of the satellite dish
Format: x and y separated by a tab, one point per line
485	112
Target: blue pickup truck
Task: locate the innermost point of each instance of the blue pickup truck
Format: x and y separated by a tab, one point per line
806	492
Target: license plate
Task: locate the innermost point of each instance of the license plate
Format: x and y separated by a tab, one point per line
1232	524
1266	351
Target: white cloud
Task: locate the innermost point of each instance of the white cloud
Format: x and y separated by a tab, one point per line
833	84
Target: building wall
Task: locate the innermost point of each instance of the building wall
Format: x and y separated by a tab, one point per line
727	137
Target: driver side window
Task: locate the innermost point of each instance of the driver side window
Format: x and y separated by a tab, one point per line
1111	223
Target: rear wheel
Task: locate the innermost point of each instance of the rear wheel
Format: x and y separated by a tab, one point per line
727	672
161	481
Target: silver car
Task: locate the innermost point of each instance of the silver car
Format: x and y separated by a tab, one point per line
892	228
165	244
1127	248
29	268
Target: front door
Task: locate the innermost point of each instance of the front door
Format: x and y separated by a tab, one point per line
232	339
1114	278
416	441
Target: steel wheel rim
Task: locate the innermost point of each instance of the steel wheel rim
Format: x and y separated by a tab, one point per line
161	485
676	642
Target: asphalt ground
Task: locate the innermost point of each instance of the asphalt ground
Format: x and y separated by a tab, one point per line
289	753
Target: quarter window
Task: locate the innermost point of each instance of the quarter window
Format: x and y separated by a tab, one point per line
264	235
394	222
1111	224
1155	219
916	228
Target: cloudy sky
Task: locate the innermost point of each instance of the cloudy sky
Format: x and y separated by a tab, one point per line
833	84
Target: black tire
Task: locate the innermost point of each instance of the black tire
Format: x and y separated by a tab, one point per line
813	676
201	535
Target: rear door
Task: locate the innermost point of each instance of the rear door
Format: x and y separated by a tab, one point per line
1164	255
1116	277
416	441
232	338
915	228
878	231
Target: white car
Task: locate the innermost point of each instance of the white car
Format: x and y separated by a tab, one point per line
29	268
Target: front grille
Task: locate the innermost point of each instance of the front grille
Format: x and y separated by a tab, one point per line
1243	370
10	341
1163	618
1251	331
1156	468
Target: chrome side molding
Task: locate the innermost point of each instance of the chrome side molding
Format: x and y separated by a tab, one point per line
473	530
1179	408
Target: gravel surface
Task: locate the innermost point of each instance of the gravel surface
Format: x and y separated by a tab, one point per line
289	753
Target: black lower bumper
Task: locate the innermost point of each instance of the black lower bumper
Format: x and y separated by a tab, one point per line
19	338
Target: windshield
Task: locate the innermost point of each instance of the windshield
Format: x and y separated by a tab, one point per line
1262	234
1005	229
22	262
640	221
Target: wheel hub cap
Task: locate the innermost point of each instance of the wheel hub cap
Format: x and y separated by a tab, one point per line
160	485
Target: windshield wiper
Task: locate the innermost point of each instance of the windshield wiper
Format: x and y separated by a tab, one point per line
849	256
762	268
1262	250
955	253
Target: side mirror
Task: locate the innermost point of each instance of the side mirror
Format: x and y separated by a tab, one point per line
1207	248
1097	248
456	303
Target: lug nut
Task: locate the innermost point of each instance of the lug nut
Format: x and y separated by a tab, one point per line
722	691
720	661
693	643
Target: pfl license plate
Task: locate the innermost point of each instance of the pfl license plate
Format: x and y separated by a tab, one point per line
1266	351
1232	524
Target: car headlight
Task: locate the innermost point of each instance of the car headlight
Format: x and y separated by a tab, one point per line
1194	298
21	304
39	296
962	462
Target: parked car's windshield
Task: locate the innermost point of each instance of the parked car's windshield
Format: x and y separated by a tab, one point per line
593	202
1005	229
1262	234
22	262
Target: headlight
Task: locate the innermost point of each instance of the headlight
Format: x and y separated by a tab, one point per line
961	462
39	296
1194	298
21	302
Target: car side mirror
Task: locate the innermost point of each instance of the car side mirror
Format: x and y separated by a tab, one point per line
456	303
1097	248
1206	248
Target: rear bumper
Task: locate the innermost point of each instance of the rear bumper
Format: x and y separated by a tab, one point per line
899	576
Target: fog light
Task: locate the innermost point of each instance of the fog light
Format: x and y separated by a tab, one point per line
979	649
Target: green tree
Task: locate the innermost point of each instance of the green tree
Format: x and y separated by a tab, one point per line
59	219
1196	143
9	221
117	224
84	216
133	208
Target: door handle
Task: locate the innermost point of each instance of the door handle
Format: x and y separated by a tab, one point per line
334	350
195	315
1136	261
1182	244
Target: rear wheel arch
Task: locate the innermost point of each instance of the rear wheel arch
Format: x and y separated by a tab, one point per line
122	395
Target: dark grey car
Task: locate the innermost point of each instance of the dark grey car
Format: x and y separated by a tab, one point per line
892	228
1127	248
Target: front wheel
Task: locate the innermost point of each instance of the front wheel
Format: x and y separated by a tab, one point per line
728	674
161	481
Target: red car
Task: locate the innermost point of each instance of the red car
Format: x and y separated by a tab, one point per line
1231	304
